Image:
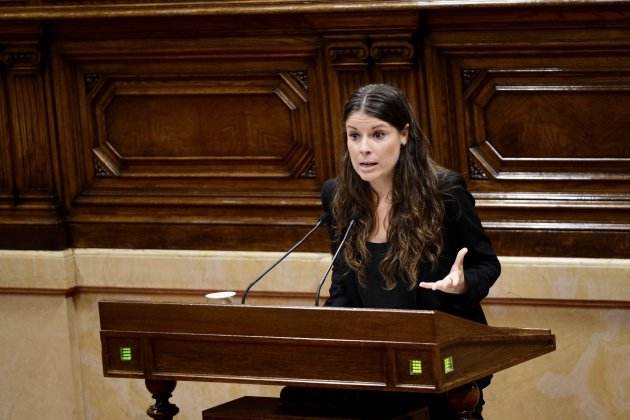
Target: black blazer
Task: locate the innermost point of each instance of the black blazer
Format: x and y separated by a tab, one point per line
461	228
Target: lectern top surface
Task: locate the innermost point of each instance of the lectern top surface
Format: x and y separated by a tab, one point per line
292	321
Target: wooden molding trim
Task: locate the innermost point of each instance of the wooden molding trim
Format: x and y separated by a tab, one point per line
36	291
491	301
564	303
187	292
112	9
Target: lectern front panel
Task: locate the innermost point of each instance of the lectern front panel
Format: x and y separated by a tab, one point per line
267	360
417	351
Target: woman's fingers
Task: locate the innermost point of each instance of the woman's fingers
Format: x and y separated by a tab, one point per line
454	282
459	260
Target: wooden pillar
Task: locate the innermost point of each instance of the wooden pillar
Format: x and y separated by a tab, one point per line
161	391
463	401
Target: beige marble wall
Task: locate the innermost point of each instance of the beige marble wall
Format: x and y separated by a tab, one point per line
587	377
215	270
37	269
39	365
563	278
50	348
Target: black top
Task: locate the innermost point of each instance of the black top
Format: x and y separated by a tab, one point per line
374	294
461	228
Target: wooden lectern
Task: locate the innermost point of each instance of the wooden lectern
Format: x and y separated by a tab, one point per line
389	350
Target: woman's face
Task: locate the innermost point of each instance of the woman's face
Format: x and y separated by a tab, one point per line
374	148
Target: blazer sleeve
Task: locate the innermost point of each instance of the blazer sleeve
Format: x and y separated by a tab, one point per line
341	290
340	293
481	265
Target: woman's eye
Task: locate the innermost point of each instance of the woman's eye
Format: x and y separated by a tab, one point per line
353	136
379	135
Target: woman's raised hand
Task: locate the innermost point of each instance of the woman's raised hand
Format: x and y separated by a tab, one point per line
454	282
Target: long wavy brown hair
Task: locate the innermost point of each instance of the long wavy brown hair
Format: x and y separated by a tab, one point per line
417	210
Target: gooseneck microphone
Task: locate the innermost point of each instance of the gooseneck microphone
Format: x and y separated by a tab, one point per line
334	258
324	218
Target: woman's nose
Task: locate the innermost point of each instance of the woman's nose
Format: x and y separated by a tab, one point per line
364	145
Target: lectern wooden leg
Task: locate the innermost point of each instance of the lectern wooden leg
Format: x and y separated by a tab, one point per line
161	392
463	401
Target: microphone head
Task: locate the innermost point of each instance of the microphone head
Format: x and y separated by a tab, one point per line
326	218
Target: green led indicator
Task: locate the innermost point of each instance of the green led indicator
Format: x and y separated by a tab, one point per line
125	354
448	365
415	367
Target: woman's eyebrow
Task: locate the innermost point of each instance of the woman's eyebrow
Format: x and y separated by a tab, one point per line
371	128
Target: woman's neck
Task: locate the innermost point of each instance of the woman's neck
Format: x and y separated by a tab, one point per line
381	218
381	190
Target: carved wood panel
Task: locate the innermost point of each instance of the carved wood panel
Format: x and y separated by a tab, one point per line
539	129
26	115
6	171
216	127
196	139
205	127
550	124
29	189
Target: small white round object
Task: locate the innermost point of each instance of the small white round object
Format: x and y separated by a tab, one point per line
220	295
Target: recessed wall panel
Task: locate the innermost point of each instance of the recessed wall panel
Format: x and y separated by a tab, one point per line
199	125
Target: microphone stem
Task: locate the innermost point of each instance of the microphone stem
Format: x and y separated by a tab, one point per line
321	282
286	254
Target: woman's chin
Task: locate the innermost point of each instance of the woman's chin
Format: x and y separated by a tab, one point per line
366	177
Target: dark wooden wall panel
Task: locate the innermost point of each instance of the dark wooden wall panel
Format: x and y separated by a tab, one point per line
30	216
189	144
220	127
537	120
6	145
214	126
